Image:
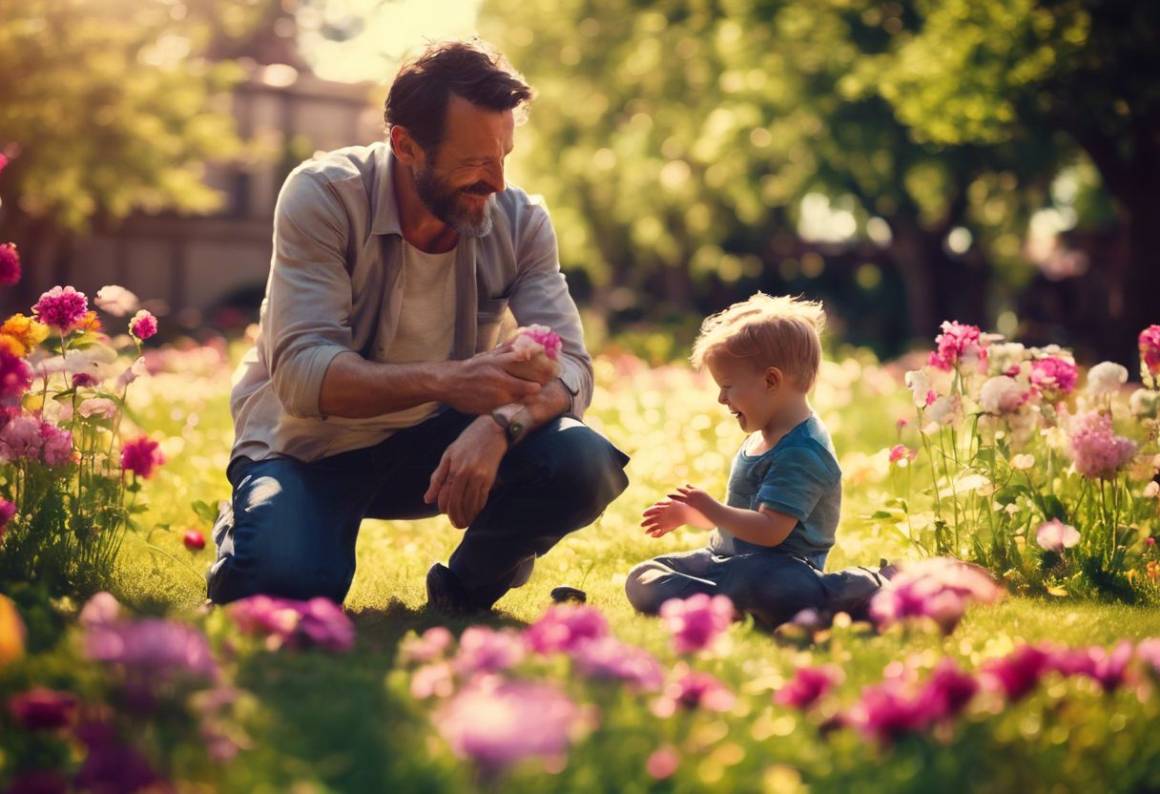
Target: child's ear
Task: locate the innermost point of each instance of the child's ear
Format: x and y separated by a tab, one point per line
773	378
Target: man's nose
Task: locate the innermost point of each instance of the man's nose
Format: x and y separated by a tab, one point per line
495	178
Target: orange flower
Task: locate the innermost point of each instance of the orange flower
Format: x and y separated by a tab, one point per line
11	632
90	323
28	332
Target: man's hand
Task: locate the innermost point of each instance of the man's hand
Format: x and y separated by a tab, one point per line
696	499
463	479
483	382
666	515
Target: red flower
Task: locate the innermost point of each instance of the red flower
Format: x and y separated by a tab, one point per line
141	456
42	709
193	540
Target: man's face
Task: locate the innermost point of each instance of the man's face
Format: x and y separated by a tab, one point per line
456	179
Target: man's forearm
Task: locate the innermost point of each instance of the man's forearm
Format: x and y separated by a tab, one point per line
356	388
554	399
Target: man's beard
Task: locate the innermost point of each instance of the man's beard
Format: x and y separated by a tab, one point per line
443	202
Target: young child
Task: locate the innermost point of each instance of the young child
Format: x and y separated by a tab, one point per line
771	537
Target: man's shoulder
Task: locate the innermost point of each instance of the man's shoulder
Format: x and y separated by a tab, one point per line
524	213
342	164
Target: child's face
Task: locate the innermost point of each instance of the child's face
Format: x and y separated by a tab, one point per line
748	392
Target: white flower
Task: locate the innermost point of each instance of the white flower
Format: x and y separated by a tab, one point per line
918	381
116	300
1022	462
134	371
1106	377
946	410
1145	404
1006	355
97	406
1001	395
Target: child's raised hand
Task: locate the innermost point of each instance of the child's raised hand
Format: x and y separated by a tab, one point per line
664	516
694	498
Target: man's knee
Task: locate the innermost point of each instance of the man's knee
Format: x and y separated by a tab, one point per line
281	576
643	587
587	469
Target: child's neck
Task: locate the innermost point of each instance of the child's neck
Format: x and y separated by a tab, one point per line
792	415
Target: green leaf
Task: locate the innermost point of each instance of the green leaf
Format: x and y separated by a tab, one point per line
205	511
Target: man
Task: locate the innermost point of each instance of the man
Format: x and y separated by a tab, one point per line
375	388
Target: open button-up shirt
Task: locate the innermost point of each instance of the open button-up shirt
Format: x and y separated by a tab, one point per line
334	287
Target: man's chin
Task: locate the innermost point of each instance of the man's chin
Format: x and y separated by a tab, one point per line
469	226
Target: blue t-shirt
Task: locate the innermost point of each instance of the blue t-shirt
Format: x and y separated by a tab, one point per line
799	477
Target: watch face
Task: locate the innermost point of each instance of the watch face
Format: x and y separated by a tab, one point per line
515	429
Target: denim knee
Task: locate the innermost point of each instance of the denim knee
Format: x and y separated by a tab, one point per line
586	470
644	592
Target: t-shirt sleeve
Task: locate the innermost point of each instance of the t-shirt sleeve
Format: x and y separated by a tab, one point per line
796	480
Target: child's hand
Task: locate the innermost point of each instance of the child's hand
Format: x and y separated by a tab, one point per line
695	499
666	515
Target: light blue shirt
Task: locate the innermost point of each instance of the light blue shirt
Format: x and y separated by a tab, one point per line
799	477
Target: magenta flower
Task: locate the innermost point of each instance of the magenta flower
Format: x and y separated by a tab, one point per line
1097	451
563	627
1054	535
56	444
151	651
607	658
1106	669
21	439
485	650
497	723
808	686
38	781
690	689
1150	349
9	264
318	622
947	692
1054	377
83	380
141	456
696	621
41	709
428	647
112	765
543	336
1017	673
939	589
15	376
957	344
7	511
902	454
886	712
62	308
143	325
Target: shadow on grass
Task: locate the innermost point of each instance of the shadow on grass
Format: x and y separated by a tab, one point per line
335	720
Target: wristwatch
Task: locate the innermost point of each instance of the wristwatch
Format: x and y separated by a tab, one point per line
513	427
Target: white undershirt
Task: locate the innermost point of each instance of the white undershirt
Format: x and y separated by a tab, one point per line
426	329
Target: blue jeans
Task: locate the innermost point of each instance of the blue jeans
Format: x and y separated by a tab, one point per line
770	585
291	526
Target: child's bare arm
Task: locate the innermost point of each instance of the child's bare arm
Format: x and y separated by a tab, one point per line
763	527
666	515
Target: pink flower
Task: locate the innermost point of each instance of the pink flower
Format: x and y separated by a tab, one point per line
116	300
947	691
193	540
497	723
939	589
543	336
101	407
62	308
690	689
433	680
9	263
21	439
82	380
150	651
663	762
1150	349
1054	535
485	650
565	626
143	325
697	621
7	511
427	647
902	454
1054	377
318	623
41	709
1017	673
141	456
56	444
886	712
1148	652
957	344
807	686
15	376
1097	451
1106	669
102	608
607	658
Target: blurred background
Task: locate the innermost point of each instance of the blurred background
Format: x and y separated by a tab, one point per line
991	161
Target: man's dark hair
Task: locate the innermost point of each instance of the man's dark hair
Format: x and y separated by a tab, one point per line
418	98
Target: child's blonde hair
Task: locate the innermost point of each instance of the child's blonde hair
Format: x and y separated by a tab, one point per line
782	332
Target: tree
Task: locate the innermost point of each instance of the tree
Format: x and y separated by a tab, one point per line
108	107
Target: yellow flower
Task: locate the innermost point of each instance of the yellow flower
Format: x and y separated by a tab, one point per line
12	345
28	331
11	632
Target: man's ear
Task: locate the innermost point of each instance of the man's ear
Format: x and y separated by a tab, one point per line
404	146
773	378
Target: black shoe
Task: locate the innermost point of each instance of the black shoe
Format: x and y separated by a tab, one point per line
446	594
565	593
